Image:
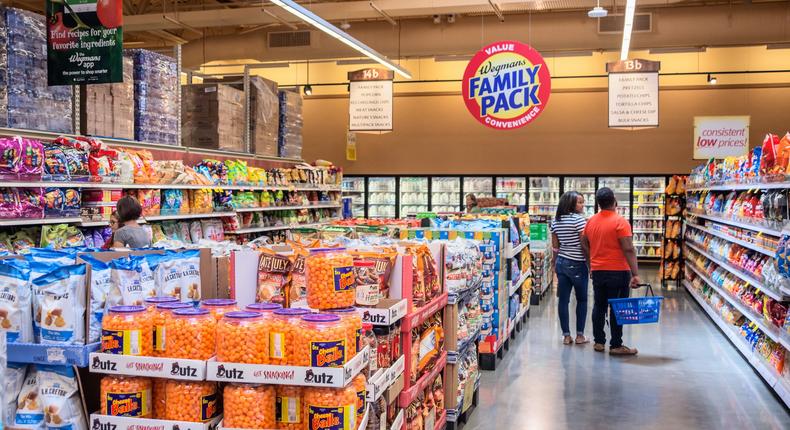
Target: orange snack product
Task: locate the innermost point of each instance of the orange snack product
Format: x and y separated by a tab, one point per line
242	338
321	341
351	319
128	330
249	406
219	307
160	398
152	302
284	335
289	408
360	386
193	401
330	279
125	396
330	408
191	333
266	308
159	318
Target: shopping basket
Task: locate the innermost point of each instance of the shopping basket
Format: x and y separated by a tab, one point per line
637	310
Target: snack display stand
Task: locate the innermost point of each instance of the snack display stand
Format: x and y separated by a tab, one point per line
672	260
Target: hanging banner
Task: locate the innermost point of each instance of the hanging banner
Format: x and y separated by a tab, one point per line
720	136
633	93
351	146
370	100
506	85
84	41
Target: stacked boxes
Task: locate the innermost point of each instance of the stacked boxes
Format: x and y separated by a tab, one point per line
493	292
156	84
264	117
108	109
212	117
290	138
25	99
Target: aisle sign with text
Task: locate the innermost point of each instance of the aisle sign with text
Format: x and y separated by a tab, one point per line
720	136
633	93
506	85
84	41
370	100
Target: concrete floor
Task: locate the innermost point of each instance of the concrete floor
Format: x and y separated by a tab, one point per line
687	376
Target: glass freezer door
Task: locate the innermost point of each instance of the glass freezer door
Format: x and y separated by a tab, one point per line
445	194
413	196
622	191
648	209
381	197
584	186
544	195
354	187
513	188
480	187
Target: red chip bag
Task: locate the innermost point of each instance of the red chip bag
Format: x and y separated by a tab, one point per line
768	157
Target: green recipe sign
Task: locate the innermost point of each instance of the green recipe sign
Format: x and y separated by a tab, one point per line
84	41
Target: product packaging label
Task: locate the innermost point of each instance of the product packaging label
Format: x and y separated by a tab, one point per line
343	277
288	410
367	294
361	398
208	407
10	314
277	345
327	354
124	342
135	404
339	418
160	337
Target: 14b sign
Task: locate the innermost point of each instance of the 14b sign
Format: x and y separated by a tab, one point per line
720	136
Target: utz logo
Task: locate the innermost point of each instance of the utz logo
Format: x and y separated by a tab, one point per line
373	319
98	425
318	378
183	370
99	364
237	374
506	85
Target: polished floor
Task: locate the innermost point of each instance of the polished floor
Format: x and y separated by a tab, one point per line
687	376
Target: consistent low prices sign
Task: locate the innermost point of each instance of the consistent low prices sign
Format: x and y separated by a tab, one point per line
84	41
633	93
720	136
370	100
506	85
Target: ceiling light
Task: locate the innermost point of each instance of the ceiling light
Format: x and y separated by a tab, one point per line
628	25
497	10
321	24
345	25
712	80
597	11
451	18
308	90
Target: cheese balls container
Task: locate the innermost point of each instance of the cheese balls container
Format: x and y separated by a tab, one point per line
192	401
330	279
191	333
159	318
219	307
330	408
242	338
249	406
152	302
322	341
284	334
128	330
351	319
266	308
288	408
360	387
159	399
125	396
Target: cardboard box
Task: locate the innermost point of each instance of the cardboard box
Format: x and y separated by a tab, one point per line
108	109
212	117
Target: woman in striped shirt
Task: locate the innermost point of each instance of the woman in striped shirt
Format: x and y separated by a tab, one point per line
571	263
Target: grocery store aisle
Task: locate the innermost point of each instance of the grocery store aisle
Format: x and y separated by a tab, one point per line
687	375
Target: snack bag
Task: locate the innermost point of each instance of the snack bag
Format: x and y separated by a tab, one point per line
55	162
13	378
10	156
768	154
9	204
171	230
273	276
171	201
195	231
202	201
178	275
147	280
150	201
37	270
298	289
101	282
61	297
60	398
383	261
15	302
29	408
183	229
126	282
31	203
50	256
213	230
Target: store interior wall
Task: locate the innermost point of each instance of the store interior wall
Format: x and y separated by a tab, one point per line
435	134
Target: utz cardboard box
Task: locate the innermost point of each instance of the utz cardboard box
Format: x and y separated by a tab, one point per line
108	109
212	117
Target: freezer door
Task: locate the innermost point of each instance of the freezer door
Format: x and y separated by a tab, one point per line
445	194
413	195
512	188
354	187
648	210
544	195
584	185
621	185
381	197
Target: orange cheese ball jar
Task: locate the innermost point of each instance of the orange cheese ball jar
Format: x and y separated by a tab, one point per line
152	302
160	399
330	279
284	334
330	408
321	341
219	307
191	333
159	317
193	401
242	338
249	406
128	330
289	408
125	396
351	319
266	308
360	387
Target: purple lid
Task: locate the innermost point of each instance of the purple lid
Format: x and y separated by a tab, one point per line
242	314
217	302
264	307
291	312
160	299
317	250
127	309
190	312
175	305
342	310
321	318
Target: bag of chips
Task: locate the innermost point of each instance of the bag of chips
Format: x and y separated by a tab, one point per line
61	302
60	398
383	260
15	301
178	275
273	276
101	281
14	377
126	288
29	409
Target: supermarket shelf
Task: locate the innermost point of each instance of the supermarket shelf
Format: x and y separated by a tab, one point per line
653	217
743	224
637	230
729	238
38	221
656	243
736	187
94	223
279	227
384	378
419	316
775	333
407	396
189	216
34	353
513	252
452	356
737	272
522	311
459	296
118	186
397	423
381	204
514	286
289	208
649	190
386	313
771	377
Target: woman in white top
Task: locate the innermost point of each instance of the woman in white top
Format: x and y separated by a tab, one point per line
571	263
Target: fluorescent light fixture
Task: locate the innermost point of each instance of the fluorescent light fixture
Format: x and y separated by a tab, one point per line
678	50
497	10
321	24
383	14
560	54
628	26
280	20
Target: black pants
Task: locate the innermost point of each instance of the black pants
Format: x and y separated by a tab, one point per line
608	285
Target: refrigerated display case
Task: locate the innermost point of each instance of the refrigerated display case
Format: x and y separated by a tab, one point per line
354	187
584	185
445	194
479	186
413	195
512	188
621	185
381	197
648	210
544	195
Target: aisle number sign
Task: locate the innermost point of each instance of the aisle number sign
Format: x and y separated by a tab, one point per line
633	93
720	136
370	100
506	85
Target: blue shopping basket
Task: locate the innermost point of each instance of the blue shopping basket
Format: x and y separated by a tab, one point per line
637	310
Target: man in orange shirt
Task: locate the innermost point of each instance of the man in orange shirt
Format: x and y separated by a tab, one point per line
614	268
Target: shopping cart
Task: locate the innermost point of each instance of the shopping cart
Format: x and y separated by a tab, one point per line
637	310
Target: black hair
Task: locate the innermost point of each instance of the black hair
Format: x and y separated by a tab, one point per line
128	209
567	204
473	198
604	198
